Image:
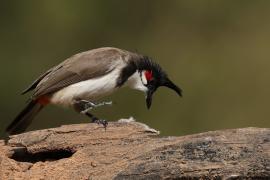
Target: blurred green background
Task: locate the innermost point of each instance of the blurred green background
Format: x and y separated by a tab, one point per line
217	51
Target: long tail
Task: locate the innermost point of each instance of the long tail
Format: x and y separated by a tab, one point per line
24	119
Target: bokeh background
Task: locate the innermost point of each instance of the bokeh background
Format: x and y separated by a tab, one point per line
217	51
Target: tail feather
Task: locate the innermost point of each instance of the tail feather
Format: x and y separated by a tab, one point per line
24	119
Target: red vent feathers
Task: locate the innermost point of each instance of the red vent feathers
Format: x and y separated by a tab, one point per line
43	100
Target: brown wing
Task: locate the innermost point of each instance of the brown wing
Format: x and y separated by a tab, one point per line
35	83
80	67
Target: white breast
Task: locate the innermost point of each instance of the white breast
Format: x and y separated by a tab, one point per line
91	89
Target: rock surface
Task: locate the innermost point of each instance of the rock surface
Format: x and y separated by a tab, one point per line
131	150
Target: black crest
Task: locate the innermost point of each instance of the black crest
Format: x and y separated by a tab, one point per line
147	63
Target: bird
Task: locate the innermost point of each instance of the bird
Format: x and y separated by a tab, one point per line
79	81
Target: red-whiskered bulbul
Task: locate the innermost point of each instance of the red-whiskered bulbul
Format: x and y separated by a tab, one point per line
85	77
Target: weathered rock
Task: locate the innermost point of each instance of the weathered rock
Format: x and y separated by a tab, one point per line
131	150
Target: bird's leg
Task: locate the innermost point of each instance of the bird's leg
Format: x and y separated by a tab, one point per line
97	120
83	107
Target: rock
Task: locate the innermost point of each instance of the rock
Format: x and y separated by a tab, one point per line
132	150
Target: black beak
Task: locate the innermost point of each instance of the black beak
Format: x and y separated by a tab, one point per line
151	89
149	97
168	83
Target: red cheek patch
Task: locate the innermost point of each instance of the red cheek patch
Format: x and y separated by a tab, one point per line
148	75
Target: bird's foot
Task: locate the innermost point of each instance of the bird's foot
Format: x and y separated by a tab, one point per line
102	103
86	106
97	120
101	121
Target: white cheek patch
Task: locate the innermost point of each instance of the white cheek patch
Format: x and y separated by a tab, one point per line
144	80
136	82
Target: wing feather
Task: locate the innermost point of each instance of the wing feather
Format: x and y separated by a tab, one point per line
80	67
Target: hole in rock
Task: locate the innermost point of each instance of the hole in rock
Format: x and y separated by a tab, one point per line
22	155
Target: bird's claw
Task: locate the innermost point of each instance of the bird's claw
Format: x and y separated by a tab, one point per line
90	105
103	103
101	121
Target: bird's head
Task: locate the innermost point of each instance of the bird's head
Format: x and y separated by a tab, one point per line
148	77
152	80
